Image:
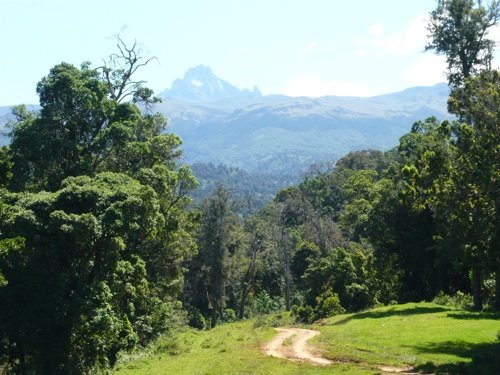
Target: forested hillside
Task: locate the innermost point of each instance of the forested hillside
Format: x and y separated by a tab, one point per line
280	134
103	251
284	135
250	191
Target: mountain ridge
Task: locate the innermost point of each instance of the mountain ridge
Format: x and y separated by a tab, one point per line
201	84
277	133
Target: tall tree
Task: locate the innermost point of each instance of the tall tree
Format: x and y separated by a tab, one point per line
254	247
213	240
476	174
458	29
96	230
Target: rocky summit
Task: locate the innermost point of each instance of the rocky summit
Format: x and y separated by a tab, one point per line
201	84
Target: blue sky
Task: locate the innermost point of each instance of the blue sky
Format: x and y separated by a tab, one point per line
294	47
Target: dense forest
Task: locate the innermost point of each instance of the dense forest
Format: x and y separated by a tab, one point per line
102	249
250	191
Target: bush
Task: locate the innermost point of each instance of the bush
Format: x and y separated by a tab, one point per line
265	304
274	320
303	314
459	300
489	291
196	319
328	304
229	316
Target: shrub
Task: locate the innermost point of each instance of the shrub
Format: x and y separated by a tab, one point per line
274	320
229	315
328	304
265	304
459	300
196	319
303	314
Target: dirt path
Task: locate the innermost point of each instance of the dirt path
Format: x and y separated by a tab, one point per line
291	344
297	348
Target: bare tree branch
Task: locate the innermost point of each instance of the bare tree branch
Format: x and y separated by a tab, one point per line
117	72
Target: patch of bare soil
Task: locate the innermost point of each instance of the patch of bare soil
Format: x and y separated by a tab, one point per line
299	350
292	344
389	370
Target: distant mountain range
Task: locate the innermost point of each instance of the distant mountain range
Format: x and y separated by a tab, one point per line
284	134
201	84
220	123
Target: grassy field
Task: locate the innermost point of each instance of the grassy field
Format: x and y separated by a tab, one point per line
427	337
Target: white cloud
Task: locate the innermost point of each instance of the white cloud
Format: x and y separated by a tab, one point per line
411	39
494	33
360	52
309	48
313	85
376	30
428	70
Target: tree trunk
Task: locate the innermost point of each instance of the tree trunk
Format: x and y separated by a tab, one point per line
248	280
285	249
440	276
497	290
213	321
287	280
476	287
243	301
247	286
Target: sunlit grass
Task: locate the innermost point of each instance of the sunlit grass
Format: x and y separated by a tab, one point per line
425	336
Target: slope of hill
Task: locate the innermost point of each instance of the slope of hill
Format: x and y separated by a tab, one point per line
284	134
411	338
220	123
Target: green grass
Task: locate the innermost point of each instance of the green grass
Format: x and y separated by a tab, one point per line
428	337
431	338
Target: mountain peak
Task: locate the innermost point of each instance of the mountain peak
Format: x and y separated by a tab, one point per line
201	84
200	71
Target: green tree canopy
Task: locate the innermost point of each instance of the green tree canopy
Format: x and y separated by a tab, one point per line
458	29
94	223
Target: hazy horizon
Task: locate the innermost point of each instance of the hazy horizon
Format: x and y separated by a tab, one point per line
292	48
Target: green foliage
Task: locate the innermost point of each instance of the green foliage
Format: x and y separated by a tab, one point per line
229	315
95	228
264	304
327	305
196	319
250	190
346	272
459	30
93	296
96	235
273	320
374	160
303	314
208	270
459	300
5	166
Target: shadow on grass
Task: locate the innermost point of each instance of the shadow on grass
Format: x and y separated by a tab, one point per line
483	358
392	312
469	315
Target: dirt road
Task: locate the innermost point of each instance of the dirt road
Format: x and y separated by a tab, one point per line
291	343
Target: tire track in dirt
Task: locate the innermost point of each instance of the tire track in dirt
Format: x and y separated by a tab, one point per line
299	350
